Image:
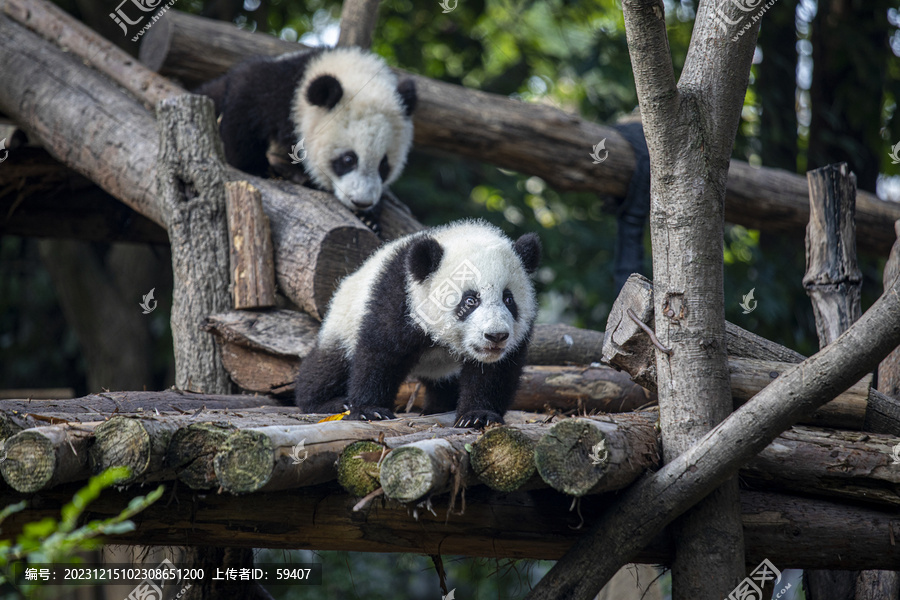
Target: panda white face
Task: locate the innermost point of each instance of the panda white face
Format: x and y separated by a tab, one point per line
355	121
475	297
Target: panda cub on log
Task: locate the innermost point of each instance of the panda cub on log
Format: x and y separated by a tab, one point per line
452	306
344	104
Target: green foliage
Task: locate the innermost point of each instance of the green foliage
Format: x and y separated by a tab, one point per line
49	541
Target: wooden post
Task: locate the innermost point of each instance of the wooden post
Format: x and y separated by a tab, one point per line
358	18
252	256
191	181
833	281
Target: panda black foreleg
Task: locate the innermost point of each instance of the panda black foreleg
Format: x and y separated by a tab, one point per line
440	396
380	364
486	390
322	382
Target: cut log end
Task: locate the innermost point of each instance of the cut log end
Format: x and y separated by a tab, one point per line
563	457
30	462
245	462
503	458
357	472
408	474
342	250
191	453
121	441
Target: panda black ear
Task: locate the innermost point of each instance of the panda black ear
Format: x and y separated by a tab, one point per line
528	247
424	258
325	91
408	96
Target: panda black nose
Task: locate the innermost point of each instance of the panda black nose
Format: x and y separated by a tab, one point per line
497	337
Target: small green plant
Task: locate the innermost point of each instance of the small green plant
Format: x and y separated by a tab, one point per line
49	541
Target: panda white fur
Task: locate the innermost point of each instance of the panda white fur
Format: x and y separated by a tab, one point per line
453	306
345	104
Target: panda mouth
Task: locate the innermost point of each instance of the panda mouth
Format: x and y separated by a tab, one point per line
493	351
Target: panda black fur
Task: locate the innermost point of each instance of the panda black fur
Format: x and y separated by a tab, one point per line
344	103
453	306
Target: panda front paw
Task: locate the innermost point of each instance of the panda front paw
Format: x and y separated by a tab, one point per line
370	413
478	418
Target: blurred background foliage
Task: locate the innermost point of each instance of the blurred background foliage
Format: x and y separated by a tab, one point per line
824	88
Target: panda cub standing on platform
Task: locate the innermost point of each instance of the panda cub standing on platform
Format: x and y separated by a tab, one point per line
452	306
344	104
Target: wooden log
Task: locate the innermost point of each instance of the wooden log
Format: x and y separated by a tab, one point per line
792	532
149	445
561	344
252	269
43	198
316	240
503	457
191	182
419	470
528	138
833	279
359	467
109	403
628	347
358	18
843	465
260	348
41	458
192	451
833	282
598	454
262	459
847	411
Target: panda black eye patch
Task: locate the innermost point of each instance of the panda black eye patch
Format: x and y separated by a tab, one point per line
344	163
510	302
384	168
468	303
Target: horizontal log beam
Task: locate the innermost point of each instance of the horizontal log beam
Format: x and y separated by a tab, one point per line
792	532
528	138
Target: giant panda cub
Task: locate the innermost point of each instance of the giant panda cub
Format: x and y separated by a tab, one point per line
344	104
452	306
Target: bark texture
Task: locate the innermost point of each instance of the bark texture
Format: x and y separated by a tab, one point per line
358	19
192	186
